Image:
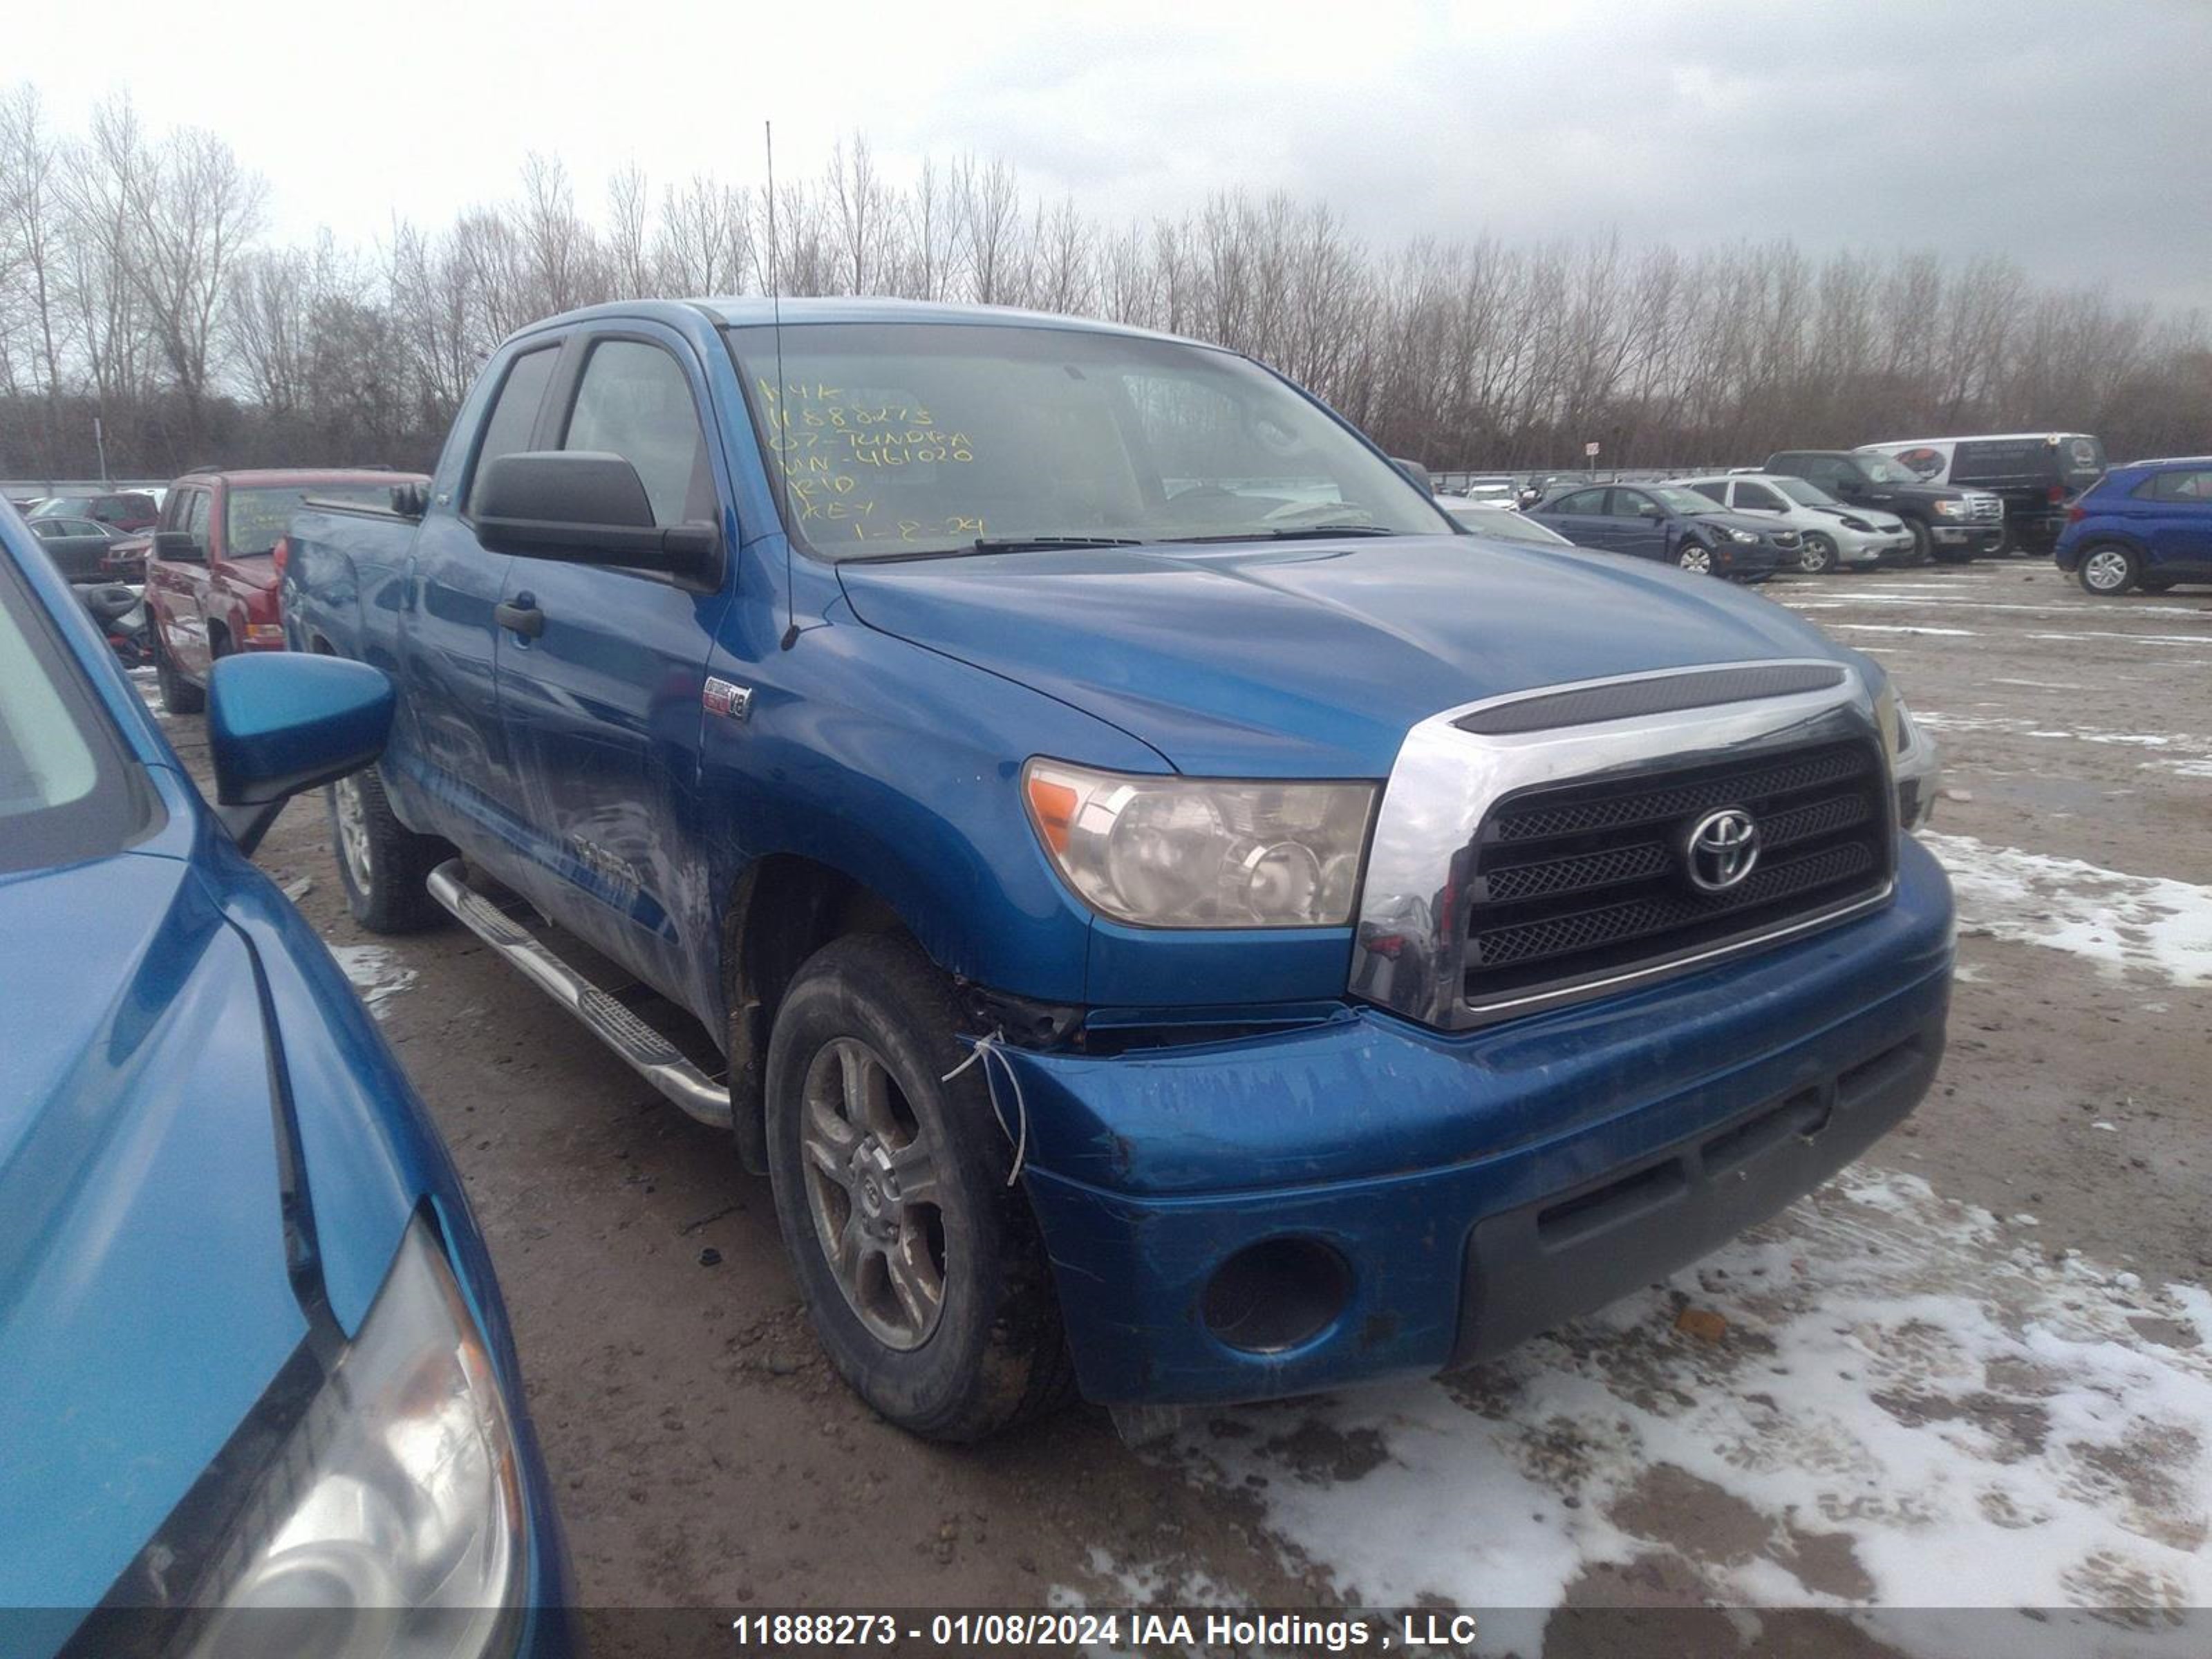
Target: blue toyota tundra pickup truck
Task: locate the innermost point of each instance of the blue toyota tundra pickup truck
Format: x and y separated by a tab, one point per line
1172	916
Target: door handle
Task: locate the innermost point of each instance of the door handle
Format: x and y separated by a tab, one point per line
523	616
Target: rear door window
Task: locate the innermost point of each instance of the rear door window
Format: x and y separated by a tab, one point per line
1582	500
2193	489
1716	492
1758	498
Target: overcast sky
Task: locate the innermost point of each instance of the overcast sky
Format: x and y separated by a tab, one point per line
2075	137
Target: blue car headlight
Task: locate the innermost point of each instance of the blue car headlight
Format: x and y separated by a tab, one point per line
391	1522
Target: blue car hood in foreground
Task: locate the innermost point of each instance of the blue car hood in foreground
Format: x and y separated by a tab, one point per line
145	1303
1311	659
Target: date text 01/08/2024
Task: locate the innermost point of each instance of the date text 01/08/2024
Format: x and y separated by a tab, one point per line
1420	1630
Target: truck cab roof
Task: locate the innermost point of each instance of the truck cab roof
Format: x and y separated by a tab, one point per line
758	311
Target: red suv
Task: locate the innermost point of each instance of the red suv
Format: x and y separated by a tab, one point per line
211	576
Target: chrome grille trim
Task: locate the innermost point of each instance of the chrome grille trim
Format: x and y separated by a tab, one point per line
1410	943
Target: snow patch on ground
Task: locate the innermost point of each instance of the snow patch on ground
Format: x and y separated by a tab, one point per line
1897	628
375	973
2144	928
2170	748
1913	1406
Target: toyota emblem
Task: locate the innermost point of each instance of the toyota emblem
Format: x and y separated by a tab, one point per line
1721	849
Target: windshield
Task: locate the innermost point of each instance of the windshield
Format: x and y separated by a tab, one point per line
1507	526
899	439
1684	500
1880	469
1803	493
66	790
256	520
57	506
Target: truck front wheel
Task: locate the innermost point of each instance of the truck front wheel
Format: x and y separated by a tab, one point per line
922	1271
383	866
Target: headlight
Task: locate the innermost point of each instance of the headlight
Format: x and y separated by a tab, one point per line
1169	852
1729	533
390	1521
1913	763
1950	509
1860	525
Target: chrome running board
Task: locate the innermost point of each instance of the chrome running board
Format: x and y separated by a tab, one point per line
651	1054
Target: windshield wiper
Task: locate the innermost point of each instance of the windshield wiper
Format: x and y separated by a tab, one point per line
1040	544
1304	532
994	545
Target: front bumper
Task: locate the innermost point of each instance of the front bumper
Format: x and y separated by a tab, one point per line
1971	539
1751	561
1872	547
1480	1186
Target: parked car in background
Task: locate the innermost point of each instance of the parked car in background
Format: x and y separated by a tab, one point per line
211	575
1829	536
2035	474
254	1355
78	547
1040	726
1505	524
1947	524
1497	486
1675	525
125	509
1535	488
2147	525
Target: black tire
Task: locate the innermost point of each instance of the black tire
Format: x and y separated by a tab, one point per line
995	1354
1817	554
178	695
2108	569
1694	556
388	893
1923	545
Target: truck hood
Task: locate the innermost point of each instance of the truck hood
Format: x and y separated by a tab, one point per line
1311	659
144	1301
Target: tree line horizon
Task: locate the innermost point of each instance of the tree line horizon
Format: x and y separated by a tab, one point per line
138	285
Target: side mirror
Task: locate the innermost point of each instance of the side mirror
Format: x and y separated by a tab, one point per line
1650	510
584	507
1417	473
279	723
178	547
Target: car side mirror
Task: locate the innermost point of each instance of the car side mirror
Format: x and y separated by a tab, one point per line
282	723
584	507
178	547
1417	473
1650	510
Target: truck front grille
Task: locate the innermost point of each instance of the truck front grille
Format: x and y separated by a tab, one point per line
1586	880
1986	509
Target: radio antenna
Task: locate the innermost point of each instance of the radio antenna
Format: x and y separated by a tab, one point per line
780	424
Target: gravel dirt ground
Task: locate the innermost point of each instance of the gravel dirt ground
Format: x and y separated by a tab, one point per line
1977	1369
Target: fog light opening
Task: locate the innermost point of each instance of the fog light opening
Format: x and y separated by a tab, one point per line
1274	1296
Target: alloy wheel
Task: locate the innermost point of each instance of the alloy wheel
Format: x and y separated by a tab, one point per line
2106	570
871	1166
353	830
